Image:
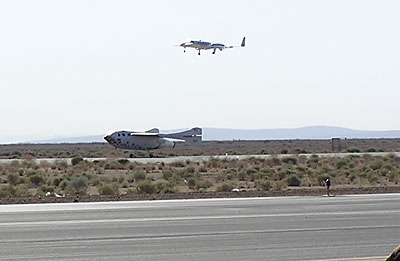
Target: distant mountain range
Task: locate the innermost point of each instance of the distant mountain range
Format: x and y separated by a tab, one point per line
313	132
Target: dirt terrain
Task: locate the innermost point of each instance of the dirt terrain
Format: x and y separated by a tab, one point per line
319	191
237	147
114	178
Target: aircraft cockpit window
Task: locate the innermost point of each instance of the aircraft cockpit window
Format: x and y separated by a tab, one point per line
123	134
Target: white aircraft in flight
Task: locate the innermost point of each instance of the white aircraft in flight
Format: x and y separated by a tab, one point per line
152	139
200	45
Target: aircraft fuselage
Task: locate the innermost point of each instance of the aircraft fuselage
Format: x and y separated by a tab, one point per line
124	140
152	139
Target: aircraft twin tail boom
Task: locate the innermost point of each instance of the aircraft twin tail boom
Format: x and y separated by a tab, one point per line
201	45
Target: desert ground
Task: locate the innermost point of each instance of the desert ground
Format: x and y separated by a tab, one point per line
116	178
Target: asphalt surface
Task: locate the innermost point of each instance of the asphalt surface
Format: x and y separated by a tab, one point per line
206	158
365	227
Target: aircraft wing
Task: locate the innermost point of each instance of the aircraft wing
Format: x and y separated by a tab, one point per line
151	134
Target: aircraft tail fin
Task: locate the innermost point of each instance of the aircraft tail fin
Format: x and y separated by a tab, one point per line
155	130
243	42
192	136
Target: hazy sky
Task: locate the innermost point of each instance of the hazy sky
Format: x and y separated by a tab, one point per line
71	68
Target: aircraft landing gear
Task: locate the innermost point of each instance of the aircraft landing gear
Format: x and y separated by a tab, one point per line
184	50
213	52
199	52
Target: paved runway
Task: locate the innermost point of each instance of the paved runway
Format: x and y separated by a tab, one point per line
206	158
366	227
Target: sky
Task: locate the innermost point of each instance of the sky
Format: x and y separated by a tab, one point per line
79	67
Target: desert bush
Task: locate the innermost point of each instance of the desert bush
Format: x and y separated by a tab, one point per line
230	176
242	176
341	163
37	179
393	175
22	191
191	182
146	187
165	187
377	164
63	184
108	189
14	164
185	172
301	151
121	179
12	179
176	179
225	187
61	164
79	185
203	184
123	161
278	185
267	171
302	169
213	163
7	191
203	169
372	177
139	175
293	180
178	164
57	181
168	190
167	174
76	160
190	169
45	188
273	162
353	150
313	159
21	180
352	177
388	167
289	160
95	182
230	171
363	173
284	172
250	171
264	185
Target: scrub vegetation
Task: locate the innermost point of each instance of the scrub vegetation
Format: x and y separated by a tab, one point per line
100	150
120	177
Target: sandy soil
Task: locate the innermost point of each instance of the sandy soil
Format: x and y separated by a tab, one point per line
291	191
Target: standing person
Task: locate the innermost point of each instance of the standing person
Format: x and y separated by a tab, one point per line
328	185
